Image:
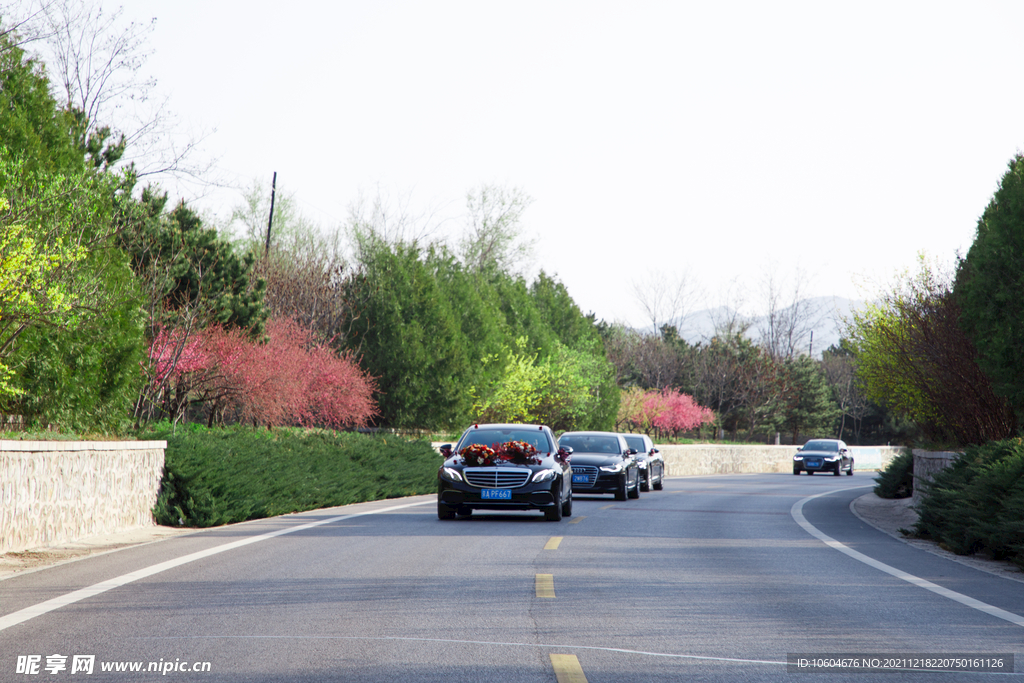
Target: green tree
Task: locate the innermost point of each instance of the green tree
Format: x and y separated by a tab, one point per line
810	409
401	327
914	357
990	287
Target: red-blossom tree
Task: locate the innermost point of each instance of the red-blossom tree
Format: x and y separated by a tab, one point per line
681	413
288	378
668	410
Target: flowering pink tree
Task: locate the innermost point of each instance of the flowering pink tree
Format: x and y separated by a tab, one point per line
668	410
287	378
681	413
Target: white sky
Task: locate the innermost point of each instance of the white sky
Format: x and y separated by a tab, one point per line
821	141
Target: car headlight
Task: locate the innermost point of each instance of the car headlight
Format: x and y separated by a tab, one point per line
831	458
617	467
451	474
544	475
798	457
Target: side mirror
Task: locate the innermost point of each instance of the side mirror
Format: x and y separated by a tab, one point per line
654	450
632	451
446	451
563	453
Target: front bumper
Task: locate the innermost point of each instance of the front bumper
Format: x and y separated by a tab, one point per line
529	497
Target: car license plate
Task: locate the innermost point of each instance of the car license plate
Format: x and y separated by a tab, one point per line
580	479
496	494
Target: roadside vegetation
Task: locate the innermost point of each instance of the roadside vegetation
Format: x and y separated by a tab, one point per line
233	474
122	308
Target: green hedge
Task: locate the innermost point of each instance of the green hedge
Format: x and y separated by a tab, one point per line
897	479
977	504
225	475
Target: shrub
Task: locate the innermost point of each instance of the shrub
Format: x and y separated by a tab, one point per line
897	479
222	476
977	504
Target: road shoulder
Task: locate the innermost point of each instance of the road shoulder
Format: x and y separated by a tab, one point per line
893	515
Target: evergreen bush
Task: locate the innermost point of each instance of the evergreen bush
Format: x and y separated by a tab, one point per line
222	476
897	479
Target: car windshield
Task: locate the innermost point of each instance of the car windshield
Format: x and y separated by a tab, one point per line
832	446
590	444
635	442
490	437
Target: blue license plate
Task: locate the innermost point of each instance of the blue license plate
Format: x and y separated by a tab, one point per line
580	479
496	494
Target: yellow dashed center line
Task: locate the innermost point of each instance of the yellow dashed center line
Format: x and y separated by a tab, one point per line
567	669
544	584
576	520
553	542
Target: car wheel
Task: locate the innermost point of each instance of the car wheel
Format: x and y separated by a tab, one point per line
796	471
660	484
810	472
623	492
445	511
567	506
839	468
554	513
646	486
635	493
849	472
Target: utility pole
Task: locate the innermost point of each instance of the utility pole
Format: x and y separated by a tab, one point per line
270	222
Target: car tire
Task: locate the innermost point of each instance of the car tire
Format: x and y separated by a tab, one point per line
796	471
567	506
839	469
445	511
635	493
622	493
660	484
646	486
809	473
554	513
849	472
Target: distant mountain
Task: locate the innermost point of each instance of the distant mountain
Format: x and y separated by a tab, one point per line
822	315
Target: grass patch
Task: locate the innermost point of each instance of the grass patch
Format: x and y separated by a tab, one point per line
226	475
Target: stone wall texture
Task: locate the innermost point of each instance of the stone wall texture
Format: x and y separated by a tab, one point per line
927	463
54	492
703	459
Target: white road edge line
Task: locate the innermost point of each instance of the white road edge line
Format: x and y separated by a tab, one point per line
23	615
797	512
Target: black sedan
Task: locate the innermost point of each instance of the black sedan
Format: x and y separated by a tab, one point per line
823	455
602	462
505	467
652	465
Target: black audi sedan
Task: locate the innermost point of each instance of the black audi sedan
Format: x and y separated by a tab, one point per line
652	465
602	462
823	455
505	467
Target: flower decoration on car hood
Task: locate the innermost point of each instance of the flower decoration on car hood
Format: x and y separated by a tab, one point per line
478	454
519	452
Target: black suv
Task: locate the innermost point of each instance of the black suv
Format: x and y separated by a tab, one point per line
505	467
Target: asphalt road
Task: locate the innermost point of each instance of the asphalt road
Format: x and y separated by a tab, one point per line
712	579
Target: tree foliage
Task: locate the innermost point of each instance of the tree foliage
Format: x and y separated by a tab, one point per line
990	287
913	356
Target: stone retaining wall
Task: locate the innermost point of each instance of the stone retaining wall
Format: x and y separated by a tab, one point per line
927	463
58	491
703	459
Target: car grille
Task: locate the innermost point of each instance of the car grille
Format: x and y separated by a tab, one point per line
813	463
588	470
496	477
